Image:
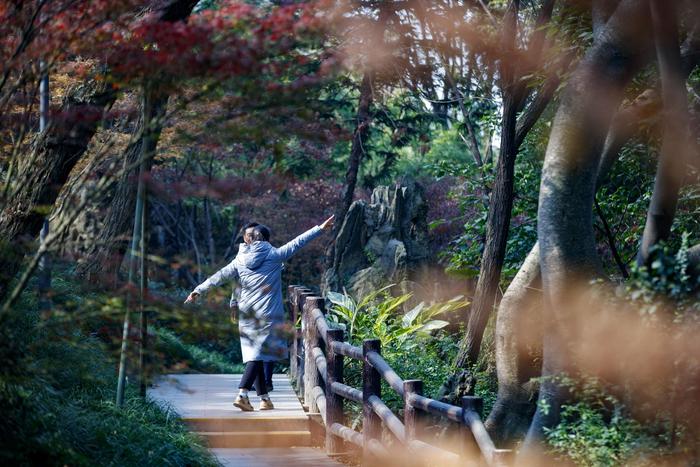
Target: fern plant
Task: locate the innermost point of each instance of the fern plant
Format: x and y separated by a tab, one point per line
380	315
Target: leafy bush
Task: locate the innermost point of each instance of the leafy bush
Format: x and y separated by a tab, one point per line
597	430
57	395
379	316
413	343
668	281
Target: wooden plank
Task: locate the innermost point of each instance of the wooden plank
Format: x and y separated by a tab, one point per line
200	396
259	424
289	457
256	439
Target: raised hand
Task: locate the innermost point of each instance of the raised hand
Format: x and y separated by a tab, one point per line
191	297
328	223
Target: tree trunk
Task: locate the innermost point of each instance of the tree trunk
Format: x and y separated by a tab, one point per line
41	177
137	237
674	155
694	260
601	11
518	347
498	223
54	156
565	217
208	228
500	205
357	151
105	256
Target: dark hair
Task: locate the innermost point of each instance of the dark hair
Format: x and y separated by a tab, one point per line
239	237
261	232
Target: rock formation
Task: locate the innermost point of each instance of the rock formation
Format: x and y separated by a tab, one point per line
380	242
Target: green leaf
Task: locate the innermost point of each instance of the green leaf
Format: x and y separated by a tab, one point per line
409	317
433	325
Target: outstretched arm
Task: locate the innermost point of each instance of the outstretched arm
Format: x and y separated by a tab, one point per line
227	272
287	250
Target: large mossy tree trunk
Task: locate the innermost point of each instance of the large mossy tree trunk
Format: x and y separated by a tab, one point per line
568	258
518	342
55	154
42	175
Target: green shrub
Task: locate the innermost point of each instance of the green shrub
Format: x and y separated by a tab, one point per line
58	408
598	431
666	283
57	392
413	342
380	316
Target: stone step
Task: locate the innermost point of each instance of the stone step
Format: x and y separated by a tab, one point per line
256	439
274	457
250	424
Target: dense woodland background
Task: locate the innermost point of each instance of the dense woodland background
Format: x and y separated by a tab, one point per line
555	141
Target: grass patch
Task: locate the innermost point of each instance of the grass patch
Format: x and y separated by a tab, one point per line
179	357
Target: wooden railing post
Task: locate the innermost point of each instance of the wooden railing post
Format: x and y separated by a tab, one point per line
301	295
294	349
470	450
334	402
411	415
371	386
299	340
311	379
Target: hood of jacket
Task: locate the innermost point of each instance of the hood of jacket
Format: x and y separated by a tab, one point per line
252	256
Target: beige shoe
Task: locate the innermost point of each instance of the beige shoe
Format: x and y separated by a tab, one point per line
266	405
243	403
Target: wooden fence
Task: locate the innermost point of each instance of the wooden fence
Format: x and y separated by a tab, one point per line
316	367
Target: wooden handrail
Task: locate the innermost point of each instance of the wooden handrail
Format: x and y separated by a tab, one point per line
321	323
433	454
320	401
348	350
371	386
347	392
321	363
471	407
449	411
323	351
390	420
386	371
348	434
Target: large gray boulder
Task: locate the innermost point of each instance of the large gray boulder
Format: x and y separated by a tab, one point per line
380	242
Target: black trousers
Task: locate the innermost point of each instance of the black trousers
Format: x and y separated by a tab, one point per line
254	375
269	368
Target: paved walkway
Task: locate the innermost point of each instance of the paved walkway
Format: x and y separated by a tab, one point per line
211	396
255	439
